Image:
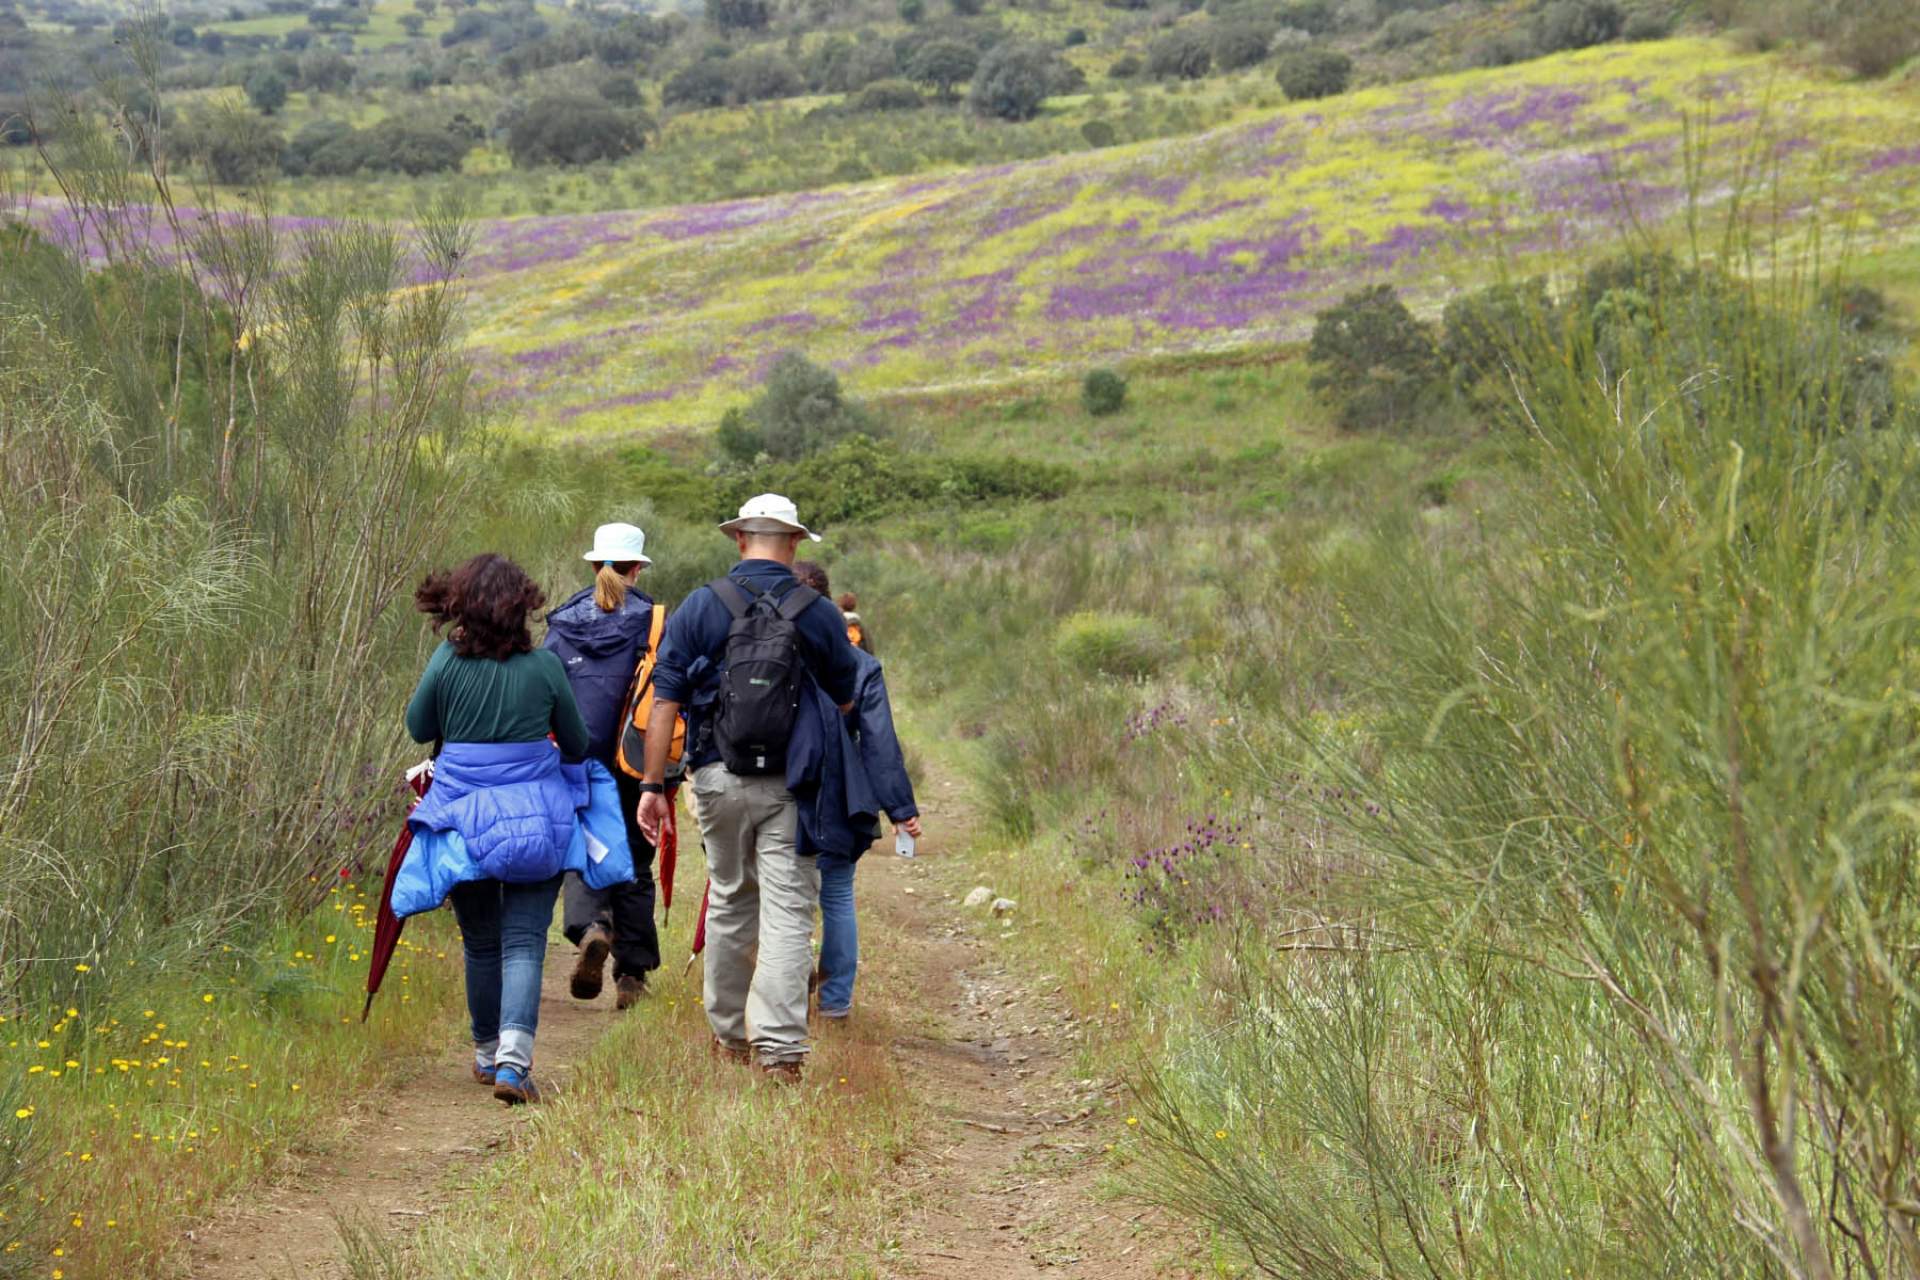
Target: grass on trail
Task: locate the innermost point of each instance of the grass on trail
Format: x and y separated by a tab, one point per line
658	1151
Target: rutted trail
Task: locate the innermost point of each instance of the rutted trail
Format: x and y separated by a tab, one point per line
400	1152
1001	1184
1007	1181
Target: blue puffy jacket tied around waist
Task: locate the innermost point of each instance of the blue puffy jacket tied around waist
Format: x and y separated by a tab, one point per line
511	811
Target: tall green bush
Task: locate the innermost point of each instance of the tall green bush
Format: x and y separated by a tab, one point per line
223	472
1372	359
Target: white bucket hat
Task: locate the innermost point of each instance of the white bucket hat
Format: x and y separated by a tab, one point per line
768	513
618	543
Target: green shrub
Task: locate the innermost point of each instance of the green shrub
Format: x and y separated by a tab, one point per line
1313	71
267	90
799	412
572	129
1125	645
1126	67
1013	80
1577	24
889	95
1372	360
861	478
1099	133
1647	24
1103	392
1182	54
1485	333
943	65
1404	29
1241	42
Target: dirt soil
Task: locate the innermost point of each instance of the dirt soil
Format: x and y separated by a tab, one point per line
405	1146
1005	1186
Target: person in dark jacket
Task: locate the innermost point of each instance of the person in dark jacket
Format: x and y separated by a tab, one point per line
883	765
487	685
762	889
600	635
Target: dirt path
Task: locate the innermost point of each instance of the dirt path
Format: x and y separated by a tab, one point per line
404	1146
1009	1187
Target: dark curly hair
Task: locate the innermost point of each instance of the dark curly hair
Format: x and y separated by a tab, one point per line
485	602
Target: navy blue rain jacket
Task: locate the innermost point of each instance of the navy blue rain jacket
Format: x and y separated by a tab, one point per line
845	771
599	652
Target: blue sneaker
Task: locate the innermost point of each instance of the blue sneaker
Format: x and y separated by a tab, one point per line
513	1086
484	1072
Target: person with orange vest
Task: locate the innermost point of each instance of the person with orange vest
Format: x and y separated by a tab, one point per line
856	629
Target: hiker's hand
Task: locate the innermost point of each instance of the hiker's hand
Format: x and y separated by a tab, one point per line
653	812
911	826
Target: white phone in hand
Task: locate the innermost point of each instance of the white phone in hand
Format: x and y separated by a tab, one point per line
903	843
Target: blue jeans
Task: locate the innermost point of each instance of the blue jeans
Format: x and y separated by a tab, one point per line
503	930
839	932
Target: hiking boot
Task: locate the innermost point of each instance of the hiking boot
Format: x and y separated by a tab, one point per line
589	968
513	1086
737	1054
836	1014
782	1072
628	990
484	1074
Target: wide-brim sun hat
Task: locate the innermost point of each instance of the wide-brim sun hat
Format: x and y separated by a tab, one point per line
618	544
768	513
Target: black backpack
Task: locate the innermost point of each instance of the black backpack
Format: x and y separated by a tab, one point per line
760	679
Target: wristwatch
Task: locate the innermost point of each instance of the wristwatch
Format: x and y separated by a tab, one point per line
653	788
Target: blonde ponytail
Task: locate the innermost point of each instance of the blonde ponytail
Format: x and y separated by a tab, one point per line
610	587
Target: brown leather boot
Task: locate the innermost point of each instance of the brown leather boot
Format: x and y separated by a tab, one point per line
782	1072
591	965
628	990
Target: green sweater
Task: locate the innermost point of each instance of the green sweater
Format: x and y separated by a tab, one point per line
520	699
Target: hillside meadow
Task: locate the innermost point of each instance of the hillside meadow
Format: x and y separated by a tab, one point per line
1480	842
630	322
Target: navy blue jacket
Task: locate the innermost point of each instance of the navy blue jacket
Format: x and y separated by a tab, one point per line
844	771
688	668
599	652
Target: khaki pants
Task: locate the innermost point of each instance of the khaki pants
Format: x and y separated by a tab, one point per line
763	894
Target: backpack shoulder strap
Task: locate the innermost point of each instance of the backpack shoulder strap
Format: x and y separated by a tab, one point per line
657	629
798	601
732	595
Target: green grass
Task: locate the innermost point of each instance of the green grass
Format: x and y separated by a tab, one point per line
191	1077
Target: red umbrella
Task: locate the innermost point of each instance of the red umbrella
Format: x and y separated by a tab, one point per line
386	932
700	927
669	855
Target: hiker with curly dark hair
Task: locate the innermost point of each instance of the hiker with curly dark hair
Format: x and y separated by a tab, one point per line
495	829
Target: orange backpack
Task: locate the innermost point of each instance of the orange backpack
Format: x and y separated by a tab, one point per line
632	753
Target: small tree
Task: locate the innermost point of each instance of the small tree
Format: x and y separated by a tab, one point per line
799	412
572	130
1185	54
1012	81
702	84
413	24
739	15
1241	43
889	95
1313	71
1103	392
1371	359
943	65
1576	24
266	90
237	146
